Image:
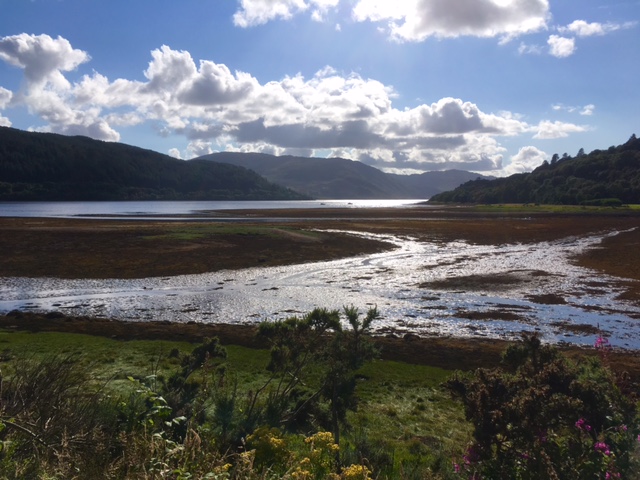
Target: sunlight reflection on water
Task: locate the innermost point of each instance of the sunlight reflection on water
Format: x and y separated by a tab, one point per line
425	288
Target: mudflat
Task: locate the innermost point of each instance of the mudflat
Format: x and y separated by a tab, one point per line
116	248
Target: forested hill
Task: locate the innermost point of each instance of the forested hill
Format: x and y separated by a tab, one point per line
45	166
602	177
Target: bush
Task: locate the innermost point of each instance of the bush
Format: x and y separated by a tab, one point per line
543	416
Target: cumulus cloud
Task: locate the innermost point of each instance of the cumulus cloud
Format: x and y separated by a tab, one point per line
41	57
5	98
561	47
415	20
550	130
175	153
47	92
198	148
329	112
258	12
525	160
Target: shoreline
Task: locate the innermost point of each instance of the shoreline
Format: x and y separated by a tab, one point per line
449	353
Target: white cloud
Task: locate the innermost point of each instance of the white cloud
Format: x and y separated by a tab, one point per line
175	153
198	148
530	49
258	12
47	92
582	28
329	112
561	47
587	110
550	130
416	20
5	98
525	160
41	57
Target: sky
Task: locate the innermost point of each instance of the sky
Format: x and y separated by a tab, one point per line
490	86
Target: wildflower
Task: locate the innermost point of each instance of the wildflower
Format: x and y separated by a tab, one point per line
456	468
583	425
356	472
602	447
602	344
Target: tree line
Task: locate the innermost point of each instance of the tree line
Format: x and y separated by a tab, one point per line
603	177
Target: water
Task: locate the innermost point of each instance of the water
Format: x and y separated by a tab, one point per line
420	287
167	209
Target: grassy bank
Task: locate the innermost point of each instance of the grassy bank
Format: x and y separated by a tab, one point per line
405	420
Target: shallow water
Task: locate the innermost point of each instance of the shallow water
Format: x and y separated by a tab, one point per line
425	288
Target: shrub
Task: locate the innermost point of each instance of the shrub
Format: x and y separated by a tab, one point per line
542	416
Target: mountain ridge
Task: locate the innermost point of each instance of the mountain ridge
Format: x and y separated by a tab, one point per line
48	166
339	178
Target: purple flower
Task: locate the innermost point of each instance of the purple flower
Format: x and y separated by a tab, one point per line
583	425
471	456
602	343
602	447
456	468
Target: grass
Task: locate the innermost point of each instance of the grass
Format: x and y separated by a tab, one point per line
555	209
199	231
404	417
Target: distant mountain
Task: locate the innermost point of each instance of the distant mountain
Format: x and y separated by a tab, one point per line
334	178
45	166
602	177
432	183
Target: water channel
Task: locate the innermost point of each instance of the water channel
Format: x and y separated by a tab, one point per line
423	288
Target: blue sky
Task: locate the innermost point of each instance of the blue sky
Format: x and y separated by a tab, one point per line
493	86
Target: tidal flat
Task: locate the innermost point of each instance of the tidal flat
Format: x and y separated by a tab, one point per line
455	273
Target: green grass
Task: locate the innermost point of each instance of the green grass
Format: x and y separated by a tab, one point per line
559	209
404	416
404	409
201	231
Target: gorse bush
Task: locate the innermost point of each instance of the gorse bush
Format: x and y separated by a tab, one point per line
543	416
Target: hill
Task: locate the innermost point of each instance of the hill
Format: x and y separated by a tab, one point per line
338	178
602	177
45	166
